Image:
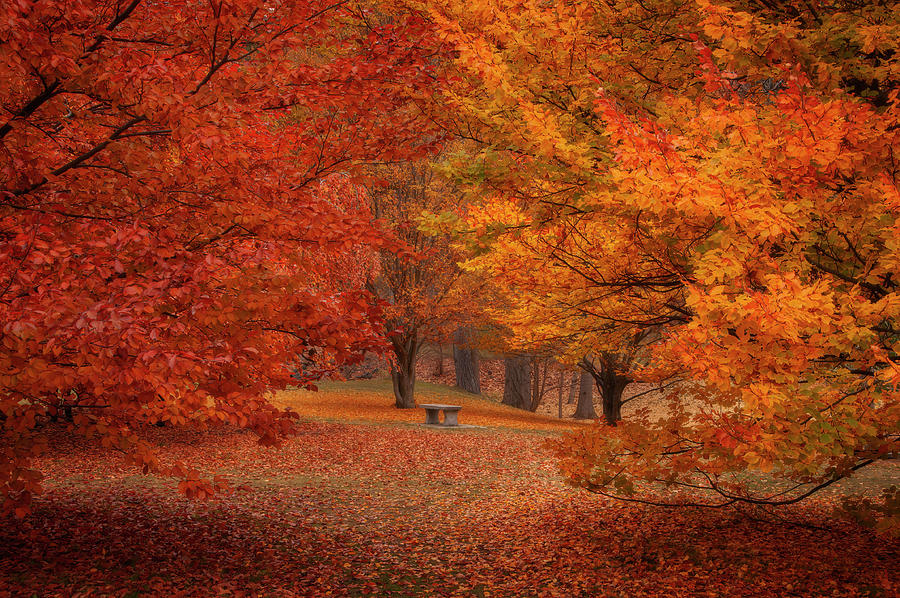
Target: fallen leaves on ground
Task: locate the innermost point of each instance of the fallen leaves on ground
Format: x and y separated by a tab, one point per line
371	401
400	510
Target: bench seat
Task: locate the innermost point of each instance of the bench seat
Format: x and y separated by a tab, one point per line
433	410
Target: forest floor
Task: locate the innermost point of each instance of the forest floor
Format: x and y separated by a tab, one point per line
366	501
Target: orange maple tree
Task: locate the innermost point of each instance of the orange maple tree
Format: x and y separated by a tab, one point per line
731	167
165	213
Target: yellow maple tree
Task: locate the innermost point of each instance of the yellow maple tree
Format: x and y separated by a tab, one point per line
724	173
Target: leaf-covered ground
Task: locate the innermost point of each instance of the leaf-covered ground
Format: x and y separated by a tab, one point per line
371	401
391	508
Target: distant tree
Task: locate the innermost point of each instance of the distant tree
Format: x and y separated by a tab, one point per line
465	359
421	285
584	409
517	381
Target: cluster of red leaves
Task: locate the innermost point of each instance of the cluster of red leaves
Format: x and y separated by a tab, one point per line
378	510
174	209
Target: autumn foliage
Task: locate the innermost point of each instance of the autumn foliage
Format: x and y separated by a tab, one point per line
168	210
424	291
203	202
722	175
386	509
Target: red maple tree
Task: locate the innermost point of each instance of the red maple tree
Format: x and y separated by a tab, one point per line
164	226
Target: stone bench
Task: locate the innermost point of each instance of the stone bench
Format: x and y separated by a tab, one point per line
432	414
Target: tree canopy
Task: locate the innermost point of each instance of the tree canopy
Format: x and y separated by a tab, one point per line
168	209
724	172
705	190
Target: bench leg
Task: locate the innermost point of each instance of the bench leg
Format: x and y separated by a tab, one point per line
432	417
450	418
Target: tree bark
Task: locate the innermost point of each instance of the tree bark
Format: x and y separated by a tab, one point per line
611	385
573	388
517	380
466	360
562	390
605	369
585	407
403	372
537	384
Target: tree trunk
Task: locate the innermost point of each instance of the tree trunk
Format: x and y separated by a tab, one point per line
537	384
517	379
585	407
611	385
562	390
403	372
466	360
573	389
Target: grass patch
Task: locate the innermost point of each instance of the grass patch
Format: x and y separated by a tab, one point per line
371	401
